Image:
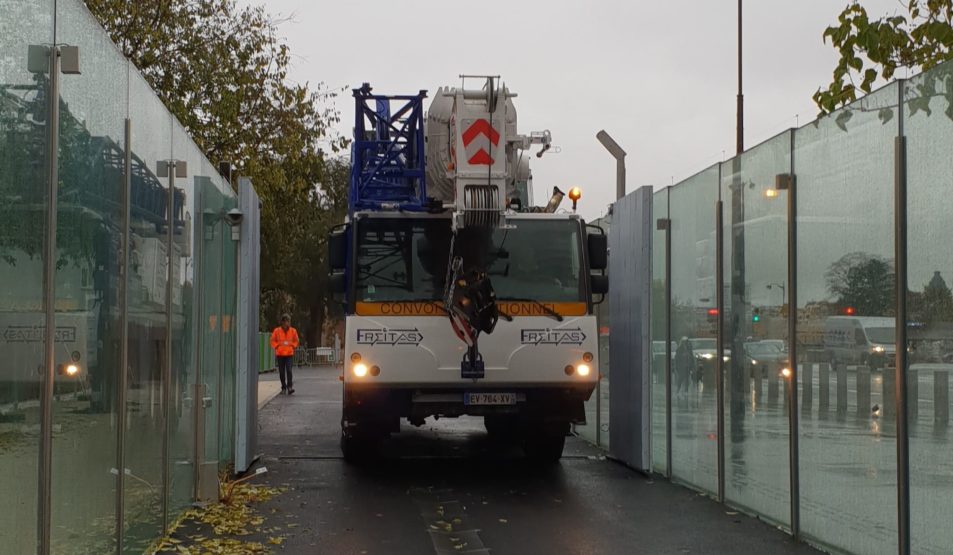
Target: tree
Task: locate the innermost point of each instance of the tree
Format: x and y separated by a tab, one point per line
223	72
863	282
872	49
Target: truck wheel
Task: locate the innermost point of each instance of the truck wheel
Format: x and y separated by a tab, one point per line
502	427
357	449
544	448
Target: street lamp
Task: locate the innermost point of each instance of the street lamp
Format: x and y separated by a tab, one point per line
616	151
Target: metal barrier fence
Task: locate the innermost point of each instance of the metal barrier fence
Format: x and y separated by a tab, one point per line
317	356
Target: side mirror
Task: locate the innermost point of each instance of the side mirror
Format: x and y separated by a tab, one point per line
599	284
337	249
598	248
338	284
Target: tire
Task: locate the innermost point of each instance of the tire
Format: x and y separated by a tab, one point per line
501	426
545	447
357	450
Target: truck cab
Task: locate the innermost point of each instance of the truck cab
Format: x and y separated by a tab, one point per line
403	359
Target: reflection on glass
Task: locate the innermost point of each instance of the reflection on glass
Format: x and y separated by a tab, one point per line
88	286
23	198
929	132
845	179
596	429
755	329
693	327
148	266
659	333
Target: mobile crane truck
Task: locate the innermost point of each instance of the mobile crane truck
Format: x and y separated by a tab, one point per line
461	298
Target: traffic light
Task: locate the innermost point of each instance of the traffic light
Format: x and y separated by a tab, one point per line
849	311
756	315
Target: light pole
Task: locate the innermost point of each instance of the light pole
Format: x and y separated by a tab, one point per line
616	151
741	97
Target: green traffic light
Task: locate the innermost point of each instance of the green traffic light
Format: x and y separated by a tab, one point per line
755	318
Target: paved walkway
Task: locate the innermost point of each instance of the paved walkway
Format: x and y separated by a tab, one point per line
447	474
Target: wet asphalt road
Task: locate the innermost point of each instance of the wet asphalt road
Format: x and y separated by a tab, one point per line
445	488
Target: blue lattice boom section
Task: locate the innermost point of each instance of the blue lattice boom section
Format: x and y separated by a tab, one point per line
388	163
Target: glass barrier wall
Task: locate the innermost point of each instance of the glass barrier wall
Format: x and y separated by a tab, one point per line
151	134
845	169
24	159
846	318
123	431
928	130
694	411
755	335
596	429
88	333
659	333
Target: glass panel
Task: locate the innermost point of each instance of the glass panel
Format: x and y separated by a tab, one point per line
148	264
844	167
755	330
596	430
659	329
929	131
605	324
182	398
23	200
210	301
88	321
229	288
694	409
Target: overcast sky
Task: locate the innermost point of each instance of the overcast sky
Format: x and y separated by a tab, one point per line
660	77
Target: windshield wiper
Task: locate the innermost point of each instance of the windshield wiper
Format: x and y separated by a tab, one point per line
550	312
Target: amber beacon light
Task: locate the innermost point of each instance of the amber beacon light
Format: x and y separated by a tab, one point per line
574	195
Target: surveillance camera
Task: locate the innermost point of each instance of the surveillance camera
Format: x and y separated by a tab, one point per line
234	217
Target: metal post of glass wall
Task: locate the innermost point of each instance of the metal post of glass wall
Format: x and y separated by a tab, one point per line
205	221
903	439
665	224
45	466
167	168
719	340
124	338
789	183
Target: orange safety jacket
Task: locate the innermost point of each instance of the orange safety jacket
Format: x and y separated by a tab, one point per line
284	342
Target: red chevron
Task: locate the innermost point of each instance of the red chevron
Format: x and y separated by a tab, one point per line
481	158
480	126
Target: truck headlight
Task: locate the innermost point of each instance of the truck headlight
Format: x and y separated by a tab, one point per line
72	370
360	370
707	356
583	370
878	349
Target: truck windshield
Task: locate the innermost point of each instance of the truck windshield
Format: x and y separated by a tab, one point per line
403	259
539	260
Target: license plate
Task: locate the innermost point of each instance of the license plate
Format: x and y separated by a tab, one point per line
489	398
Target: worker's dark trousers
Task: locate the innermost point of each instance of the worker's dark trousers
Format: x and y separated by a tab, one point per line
284	371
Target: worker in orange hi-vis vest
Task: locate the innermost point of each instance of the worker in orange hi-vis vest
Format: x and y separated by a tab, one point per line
284	340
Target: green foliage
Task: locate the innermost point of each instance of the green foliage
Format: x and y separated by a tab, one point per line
223	71
864	282
869	49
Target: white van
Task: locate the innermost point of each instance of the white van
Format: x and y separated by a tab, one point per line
866	340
